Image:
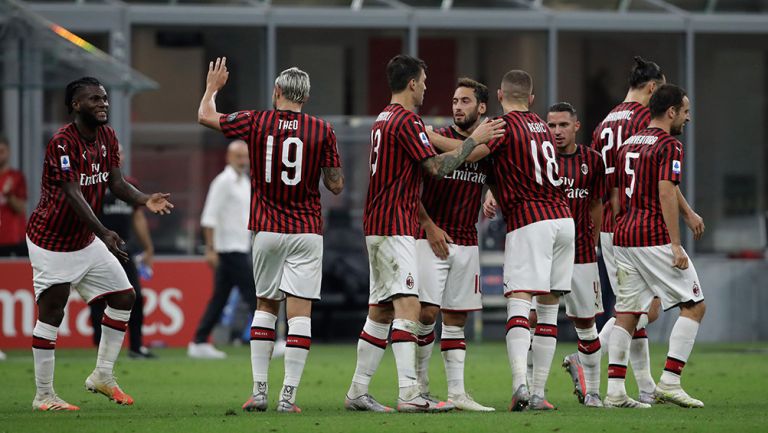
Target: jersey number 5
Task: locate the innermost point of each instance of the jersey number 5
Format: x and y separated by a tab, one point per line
287	162
629	190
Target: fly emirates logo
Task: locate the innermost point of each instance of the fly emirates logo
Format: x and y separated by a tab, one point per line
99	177
571	192
468	172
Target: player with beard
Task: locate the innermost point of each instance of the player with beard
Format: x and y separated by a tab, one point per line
447	252
70	248
626	119
650	258
400	149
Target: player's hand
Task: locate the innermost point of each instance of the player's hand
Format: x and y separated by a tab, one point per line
438	240
158	203
680	258
695	223
217	74
488	130
489	205
115	245
212	258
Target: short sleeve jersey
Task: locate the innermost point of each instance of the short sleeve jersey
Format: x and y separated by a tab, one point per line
453	202
287	151
69	157
526	172
622	122
399	143
650	156
583	175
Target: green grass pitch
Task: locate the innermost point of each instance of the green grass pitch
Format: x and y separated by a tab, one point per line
177	394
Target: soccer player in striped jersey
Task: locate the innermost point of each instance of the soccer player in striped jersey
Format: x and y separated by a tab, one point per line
539	222
583	175
70	248
400	149
447	251
623	121
650	258
530	195
289	151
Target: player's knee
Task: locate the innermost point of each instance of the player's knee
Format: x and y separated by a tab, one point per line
268	305
695	311
455	319
381	314
123	300
428	314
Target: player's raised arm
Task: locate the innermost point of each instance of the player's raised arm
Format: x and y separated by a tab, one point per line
216	79
443	164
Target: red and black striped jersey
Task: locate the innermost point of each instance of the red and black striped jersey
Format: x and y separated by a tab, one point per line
287	150
69	157
583	175
622	122
399	143
650	156
526	172
454	202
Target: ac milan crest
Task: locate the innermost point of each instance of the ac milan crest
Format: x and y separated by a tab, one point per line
696	290
409	281
584	169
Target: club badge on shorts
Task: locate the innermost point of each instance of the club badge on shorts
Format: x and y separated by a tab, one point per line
409	282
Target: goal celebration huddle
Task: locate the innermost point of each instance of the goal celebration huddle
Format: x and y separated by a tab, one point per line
561	201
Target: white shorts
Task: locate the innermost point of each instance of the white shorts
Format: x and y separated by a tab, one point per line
452	284
93	271
393	267
585	300
647	272
538	258
287	263
609	259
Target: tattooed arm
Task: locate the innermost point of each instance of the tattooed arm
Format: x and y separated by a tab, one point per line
441	165
333	179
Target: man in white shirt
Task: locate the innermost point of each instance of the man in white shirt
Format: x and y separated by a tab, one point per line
227	244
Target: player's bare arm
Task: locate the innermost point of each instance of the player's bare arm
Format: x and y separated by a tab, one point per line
157	203
446	144
333	179
443	164
83	210
216	79
691	218
438	239
670	210
596	214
